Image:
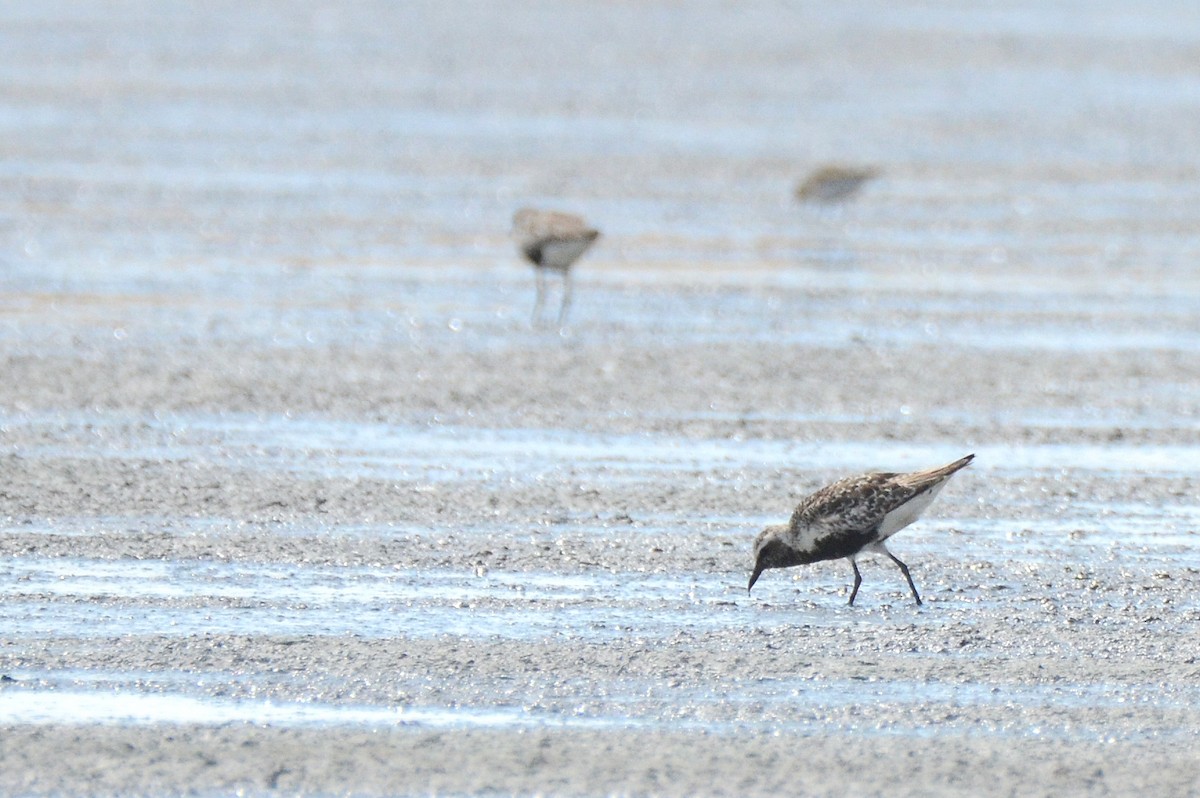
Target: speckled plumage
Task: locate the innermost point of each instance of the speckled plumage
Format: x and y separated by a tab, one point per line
852	515
552	240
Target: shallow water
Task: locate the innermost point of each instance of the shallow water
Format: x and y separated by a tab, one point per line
122	598
808	703
442	451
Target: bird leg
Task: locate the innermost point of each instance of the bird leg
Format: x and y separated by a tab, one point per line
907	575
857	581
566	298
541	295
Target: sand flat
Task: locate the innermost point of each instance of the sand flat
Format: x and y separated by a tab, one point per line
296	500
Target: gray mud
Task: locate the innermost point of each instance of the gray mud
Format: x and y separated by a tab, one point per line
295	499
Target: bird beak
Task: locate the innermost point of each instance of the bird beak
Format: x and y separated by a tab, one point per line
758	569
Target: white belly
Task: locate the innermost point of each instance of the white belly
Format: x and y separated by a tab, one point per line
908	512
560	254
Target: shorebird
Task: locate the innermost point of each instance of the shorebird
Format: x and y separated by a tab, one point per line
852	516
834	183
552	241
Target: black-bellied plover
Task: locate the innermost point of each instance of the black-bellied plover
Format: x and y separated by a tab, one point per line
552	240
834	183
852	516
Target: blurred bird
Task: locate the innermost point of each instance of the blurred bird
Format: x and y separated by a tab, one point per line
552	241
852	516
831	184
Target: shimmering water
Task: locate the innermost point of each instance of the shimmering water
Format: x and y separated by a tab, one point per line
437	451
74	706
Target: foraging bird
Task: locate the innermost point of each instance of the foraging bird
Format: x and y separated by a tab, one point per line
834	183
852	516
552	241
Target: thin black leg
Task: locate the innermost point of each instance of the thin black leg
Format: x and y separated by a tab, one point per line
857	582
907	575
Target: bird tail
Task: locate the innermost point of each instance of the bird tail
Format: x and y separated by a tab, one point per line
921	479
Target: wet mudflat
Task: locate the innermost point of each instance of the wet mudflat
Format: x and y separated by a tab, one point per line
259	560
295	498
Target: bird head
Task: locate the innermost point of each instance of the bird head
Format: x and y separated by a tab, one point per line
770	551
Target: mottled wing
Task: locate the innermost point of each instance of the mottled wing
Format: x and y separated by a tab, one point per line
852	504
530	224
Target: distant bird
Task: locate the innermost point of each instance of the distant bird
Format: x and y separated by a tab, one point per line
852	516
831	184
552	241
